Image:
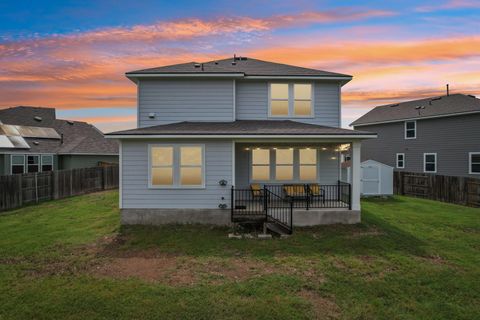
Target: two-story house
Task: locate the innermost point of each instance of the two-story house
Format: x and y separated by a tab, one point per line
435	135
237	138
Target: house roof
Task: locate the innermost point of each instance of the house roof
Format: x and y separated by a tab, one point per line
240	128
442	106
239	65
78	137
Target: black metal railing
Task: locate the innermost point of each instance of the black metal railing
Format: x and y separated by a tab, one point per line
278	210
316	196
276	202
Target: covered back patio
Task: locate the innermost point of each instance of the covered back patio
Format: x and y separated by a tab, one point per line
284	180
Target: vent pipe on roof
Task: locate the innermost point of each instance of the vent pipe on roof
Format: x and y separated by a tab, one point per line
37	118
448	91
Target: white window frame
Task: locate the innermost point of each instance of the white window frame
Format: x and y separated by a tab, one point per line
414	130
291	100
41	161
273	164
276	165
403	160
299	164
11	162
39	164
175	166
470	163
425	162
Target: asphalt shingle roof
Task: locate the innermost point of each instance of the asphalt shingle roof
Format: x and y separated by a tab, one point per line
241	127
422	108
78	137
245	66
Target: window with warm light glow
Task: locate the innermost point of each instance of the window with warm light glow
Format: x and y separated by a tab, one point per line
279	99
308	164
176	166
291	100
261	164
284	164
303	99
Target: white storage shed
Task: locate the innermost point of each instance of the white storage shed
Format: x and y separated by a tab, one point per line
376	178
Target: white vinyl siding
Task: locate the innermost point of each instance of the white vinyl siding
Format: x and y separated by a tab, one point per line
135	177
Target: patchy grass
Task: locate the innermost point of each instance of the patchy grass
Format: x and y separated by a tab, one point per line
409	258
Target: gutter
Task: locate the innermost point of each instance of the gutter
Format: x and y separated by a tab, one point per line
207	136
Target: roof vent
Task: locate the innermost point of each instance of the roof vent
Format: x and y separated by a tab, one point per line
36	143
243	58
70	122
234	63
419	107
197	65
216	62
37	118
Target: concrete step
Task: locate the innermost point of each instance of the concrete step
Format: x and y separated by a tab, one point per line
277	229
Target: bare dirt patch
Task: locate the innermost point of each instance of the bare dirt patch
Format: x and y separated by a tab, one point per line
323	308
181	270
371	232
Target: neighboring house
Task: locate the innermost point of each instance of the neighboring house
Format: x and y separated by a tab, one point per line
211	131
32	139
436	135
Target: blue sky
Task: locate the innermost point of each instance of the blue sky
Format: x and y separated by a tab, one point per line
72	55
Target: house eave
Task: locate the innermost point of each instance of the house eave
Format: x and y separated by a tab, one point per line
236	136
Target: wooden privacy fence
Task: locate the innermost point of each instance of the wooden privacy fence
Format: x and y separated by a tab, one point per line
30	188
459	190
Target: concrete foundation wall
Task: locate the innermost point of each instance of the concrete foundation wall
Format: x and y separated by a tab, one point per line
301	218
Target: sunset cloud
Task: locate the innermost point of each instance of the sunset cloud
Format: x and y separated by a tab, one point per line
389	61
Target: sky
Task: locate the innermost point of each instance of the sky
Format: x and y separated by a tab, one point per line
72	55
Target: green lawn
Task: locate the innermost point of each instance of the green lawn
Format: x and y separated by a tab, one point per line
408	259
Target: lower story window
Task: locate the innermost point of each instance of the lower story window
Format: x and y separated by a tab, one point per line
430	162
18	164
474	162
176	166
400	160
47	163
285	164
33	163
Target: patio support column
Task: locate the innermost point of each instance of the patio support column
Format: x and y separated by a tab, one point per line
356	146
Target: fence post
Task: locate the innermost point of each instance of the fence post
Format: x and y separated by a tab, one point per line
20	189
55	184
71	182
36	187
104	177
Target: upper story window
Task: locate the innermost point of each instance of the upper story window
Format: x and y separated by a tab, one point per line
430	162
474	163
401	160
177	166
410	129
291	100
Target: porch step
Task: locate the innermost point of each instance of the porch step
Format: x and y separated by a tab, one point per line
277	229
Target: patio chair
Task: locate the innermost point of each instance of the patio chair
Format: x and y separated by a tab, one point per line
315	191
257	191
295	192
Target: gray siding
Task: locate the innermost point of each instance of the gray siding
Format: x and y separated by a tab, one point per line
451	138
252	102
328	167
175	100
135	191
